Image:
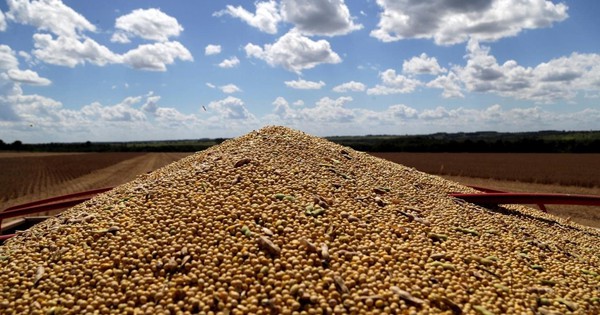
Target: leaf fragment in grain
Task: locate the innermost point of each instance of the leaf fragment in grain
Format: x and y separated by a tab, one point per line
340	285
352	219
482	310
438	237
488	271
544	311
467	231
242	162
406	296
325	253
445	266
548	282
537	267
381	190
310	247
438	256
539	244
39	274
246	231
445	303
540	290
314	211
571	306
112	230
185	260
589	272
267	244
380	202
408	215
267	231
543	301
480	260
476	274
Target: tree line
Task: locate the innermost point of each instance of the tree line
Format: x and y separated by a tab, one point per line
492	142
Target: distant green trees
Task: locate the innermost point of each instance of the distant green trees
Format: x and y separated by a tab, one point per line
485	141
533	142
17	145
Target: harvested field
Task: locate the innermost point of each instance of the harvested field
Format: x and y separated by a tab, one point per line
36	176
561	169
277	222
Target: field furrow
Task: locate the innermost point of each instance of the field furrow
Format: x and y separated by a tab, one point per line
31	177
543	168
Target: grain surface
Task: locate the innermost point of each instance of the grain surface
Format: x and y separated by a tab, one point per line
279	222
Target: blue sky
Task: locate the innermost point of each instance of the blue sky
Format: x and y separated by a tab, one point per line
153	70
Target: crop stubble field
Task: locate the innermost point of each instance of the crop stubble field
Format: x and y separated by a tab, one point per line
26	177
544	168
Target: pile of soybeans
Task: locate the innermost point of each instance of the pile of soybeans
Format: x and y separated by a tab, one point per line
280	222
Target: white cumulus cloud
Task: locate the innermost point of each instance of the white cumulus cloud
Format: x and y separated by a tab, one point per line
326	110
52	16
151	104
156	57
265	18
8	59
212	50
67	45
172	118
121	112
558	79
230	63
351	86
151	24
449	83
230	108
230	88
2	22
394	84
305	85
27	77
452	22
70	51
422	64
319	17
294	52
120	37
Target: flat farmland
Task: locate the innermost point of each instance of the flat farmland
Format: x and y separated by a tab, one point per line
543	168
26	177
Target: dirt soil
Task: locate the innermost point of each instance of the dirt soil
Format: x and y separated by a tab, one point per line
113	175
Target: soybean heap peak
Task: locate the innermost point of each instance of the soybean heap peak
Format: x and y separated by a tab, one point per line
280	222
